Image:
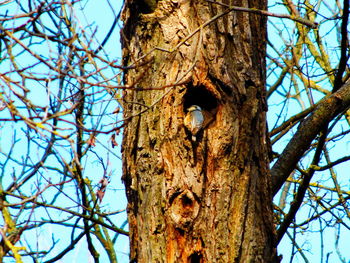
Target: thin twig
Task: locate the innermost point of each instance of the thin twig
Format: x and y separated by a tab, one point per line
300	20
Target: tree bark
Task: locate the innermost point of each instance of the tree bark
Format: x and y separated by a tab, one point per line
209	200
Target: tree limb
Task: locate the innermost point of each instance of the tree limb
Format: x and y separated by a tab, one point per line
295	205
344	46
307	131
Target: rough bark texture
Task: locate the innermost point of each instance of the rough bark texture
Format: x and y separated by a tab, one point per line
204	201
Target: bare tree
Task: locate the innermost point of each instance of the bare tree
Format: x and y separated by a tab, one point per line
229	189
310	73
211	54
59	120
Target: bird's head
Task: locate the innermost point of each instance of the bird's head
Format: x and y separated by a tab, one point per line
194	108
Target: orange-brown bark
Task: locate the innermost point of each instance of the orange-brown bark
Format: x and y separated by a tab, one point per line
209	200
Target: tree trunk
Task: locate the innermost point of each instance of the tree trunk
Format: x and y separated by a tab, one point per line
206	200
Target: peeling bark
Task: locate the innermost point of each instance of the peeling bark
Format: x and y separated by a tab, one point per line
210	200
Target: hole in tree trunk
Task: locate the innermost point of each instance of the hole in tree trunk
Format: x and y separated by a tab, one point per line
195	258
200	96
186	202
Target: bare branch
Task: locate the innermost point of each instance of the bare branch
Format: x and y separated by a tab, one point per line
327	109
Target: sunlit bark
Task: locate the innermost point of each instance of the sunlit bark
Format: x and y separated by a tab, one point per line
209	200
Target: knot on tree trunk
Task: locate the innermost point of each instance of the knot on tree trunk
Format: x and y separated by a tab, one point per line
184	209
